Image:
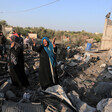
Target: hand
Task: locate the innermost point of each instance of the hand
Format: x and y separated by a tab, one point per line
33	42
12	44
53	42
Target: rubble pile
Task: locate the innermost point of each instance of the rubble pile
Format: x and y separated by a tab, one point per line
84	83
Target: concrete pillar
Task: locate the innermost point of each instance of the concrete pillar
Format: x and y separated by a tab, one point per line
106	42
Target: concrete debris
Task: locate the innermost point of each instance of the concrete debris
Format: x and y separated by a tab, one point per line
85	82
103	87
21	107
10	94
110	69
80	105
72	64
105	105
59	62
86	57
110	53
58	91
4	87
62	67
103	65
2	95
77	57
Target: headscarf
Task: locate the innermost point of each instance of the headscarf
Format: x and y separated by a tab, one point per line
49	50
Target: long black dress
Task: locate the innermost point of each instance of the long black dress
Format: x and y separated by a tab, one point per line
47	73
16	63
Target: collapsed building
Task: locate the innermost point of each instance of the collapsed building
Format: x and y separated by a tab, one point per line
85	83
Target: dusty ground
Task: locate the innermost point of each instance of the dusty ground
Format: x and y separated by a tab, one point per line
83	77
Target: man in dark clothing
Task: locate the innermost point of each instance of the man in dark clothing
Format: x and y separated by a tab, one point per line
16	62
20	39
2	44
15	33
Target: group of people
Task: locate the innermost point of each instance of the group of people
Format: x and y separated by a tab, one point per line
47	70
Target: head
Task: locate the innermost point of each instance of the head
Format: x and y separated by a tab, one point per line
19	34
45	42
27	36
14	39
13	32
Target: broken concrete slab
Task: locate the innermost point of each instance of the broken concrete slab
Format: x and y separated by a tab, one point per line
105	105
10	95
72	64
58	91
80	105
103	87
105	77
69	84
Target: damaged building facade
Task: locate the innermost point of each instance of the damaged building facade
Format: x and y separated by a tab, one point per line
107	35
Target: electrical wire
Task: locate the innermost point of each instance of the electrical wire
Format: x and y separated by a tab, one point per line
26	10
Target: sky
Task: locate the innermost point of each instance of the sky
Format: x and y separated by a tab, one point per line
72	15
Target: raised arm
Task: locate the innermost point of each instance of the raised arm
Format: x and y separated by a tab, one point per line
53	42
54	45
35	47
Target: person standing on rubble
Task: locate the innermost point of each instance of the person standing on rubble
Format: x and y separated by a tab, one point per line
27	42
20	39
16	63
2	44
47	71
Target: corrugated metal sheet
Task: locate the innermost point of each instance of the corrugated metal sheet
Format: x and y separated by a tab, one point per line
21	107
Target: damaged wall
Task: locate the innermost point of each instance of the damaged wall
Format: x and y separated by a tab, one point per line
107	35
2	28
